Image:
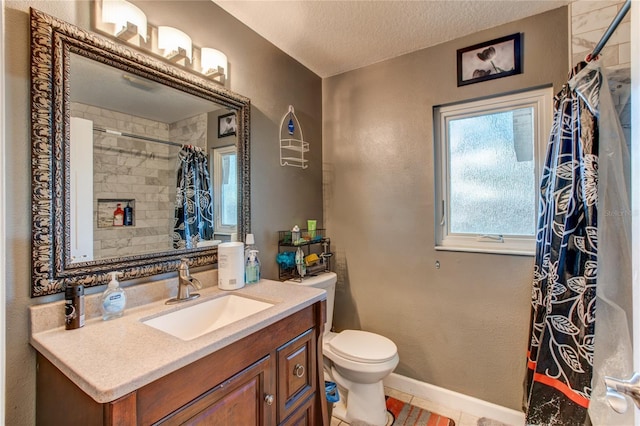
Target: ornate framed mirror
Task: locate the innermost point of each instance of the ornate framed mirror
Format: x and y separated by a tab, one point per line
80	77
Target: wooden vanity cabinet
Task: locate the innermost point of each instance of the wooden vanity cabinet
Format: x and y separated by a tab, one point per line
271	377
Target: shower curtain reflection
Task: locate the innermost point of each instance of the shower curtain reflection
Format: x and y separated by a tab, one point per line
194	199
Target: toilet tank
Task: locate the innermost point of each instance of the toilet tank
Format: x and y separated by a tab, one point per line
325	281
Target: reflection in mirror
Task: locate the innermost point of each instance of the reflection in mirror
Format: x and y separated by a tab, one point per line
151	189
225	189
111	127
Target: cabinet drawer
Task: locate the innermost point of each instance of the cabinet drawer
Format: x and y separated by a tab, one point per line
241	400
296	373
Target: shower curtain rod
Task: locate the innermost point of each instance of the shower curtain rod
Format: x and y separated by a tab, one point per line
131	135
607	34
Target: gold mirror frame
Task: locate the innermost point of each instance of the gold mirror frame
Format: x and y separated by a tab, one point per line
52	42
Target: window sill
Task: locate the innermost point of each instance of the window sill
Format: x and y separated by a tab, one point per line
488	250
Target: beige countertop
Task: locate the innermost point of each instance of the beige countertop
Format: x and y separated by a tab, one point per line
109	359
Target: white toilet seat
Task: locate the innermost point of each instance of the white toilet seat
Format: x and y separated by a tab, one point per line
358	361
363	347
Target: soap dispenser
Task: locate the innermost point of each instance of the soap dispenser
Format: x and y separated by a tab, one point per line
249	244
252	268
113	299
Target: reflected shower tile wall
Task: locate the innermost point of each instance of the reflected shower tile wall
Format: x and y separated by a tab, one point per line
126	168
190	131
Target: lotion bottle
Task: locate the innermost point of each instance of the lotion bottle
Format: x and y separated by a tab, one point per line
113	299
118	216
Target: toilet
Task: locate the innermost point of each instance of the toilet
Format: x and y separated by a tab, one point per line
357	361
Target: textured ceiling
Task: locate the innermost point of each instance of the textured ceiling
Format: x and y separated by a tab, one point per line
331	37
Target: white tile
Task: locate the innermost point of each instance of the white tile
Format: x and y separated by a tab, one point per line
400	396
577	58
582	45
468	420
579	7
624	53
622	34
610	56
335	421
597	20
484	421
437	408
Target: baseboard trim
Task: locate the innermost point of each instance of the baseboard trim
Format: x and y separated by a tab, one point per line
455	400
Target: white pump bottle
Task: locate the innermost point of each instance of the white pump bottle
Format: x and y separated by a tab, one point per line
114	299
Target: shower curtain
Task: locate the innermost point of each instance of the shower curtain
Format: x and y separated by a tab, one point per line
194	199
582	260
560	356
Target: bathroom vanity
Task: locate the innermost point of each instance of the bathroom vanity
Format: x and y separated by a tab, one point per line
260	370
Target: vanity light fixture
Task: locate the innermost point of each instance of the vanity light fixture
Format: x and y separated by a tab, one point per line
123	20
175	44
127	19
214	64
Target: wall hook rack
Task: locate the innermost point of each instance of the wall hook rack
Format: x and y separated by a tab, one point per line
292	144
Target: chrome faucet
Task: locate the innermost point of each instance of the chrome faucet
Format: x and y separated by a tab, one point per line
185	280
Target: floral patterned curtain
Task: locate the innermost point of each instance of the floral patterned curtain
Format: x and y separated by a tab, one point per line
560	356
194	199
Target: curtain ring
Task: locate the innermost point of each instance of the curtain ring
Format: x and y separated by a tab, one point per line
590	58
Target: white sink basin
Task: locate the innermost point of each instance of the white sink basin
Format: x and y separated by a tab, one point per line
202	318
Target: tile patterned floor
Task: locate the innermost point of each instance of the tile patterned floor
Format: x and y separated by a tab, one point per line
460	418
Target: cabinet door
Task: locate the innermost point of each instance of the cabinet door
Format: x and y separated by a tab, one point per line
304	416
296	373
244	399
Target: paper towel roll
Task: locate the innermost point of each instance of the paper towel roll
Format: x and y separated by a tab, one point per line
231	265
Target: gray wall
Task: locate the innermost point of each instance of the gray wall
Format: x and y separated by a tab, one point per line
281	196
464	326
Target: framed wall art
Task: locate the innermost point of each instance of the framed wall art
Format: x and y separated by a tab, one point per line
493	59
227	125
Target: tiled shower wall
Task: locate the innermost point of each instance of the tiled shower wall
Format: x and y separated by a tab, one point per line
589	21
128	168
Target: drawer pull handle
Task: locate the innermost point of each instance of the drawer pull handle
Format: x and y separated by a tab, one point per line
268	399
298	370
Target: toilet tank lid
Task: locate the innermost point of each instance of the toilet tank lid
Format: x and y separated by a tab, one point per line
362	346
322	280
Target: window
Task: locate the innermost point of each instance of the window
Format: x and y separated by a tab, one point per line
489	156
225	189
